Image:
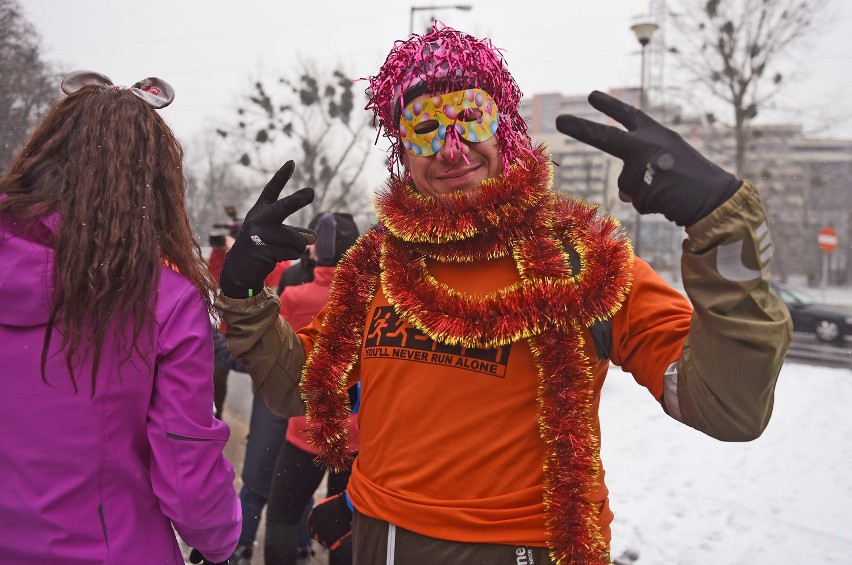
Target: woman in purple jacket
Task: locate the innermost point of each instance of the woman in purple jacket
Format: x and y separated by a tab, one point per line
107	438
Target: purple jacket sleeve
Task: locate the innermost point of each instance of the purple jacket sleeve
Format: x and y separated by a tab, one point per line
191	477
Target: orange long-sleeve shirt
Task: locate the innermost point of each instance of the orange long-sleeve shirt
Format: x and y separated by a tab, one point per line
449	440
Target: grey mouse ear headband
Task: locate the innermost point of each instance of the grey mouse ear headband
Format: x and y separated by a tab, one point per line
156	92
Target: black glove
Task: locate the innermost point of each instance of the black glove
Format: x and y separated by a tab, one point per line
330	522
222	355
196	557
264	240
662	172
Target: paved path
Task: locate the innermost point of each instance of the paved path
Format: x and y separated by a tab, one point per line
237	414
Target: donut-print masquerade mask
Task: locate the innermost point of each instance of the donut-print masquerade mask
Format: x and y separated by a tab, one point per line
425	125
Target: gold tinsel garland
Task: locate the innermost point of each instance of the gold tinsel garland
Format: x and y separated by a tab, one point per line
516	214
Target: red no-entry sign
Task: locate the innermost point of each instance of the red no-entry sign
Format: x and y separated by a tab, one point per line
827	239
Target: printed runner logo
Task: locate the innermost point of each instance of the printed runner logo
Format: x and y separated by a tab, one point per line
389	336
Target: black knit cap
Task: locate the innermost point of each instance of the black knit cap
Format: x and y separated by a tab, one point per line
336	232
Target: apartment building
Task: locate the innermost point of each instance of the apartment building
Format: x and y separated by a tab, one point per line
805	183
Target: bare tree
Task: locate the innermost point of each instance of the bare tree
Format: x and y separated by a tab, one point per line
29	86
311	120
737	50
212	183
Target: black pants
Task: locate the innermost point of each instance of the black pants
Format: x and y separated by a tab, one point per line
378	543
220	388
263	445
293	484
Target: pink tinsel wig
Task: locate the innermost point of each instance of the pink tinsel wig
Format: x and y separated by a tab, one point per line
441	61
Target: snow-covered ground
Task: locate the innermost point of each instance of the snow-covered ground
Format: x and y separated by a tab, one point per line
682	498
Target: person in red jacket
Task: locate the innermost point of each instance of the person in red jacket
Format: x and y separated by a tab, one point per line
304	297
297	475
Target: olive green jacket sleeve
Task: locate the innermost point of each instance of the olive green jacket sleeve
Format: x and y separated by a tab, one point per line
268	347
724	382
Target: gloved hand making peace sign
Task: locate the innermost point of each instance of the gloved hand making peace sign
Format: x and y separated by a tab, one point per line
264	240
662	172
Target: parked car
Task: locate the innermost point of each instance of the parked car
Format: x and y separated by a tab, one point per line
829	323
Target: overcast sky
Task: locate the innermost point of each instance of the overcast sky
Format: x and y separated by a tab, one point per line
210	50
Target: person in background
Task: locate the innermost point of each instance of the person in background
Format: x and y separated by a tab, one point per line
215	261
109	444
482	313
267	430
297	474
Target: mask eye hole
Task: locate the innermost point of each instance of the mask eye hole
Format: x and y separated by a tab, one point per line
426	126
470	115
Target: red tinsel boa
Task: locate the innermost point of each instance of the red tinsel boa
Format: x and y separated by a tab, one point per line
516	214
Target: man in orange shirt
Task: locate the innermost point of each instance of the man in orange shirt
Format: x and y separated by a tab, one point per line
481	314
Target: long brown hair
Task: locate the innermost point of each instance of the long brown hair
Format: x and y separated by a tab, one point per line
111	167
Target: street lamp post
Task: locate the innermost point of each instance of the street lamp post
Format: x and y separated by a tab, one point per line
462	7
644	31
